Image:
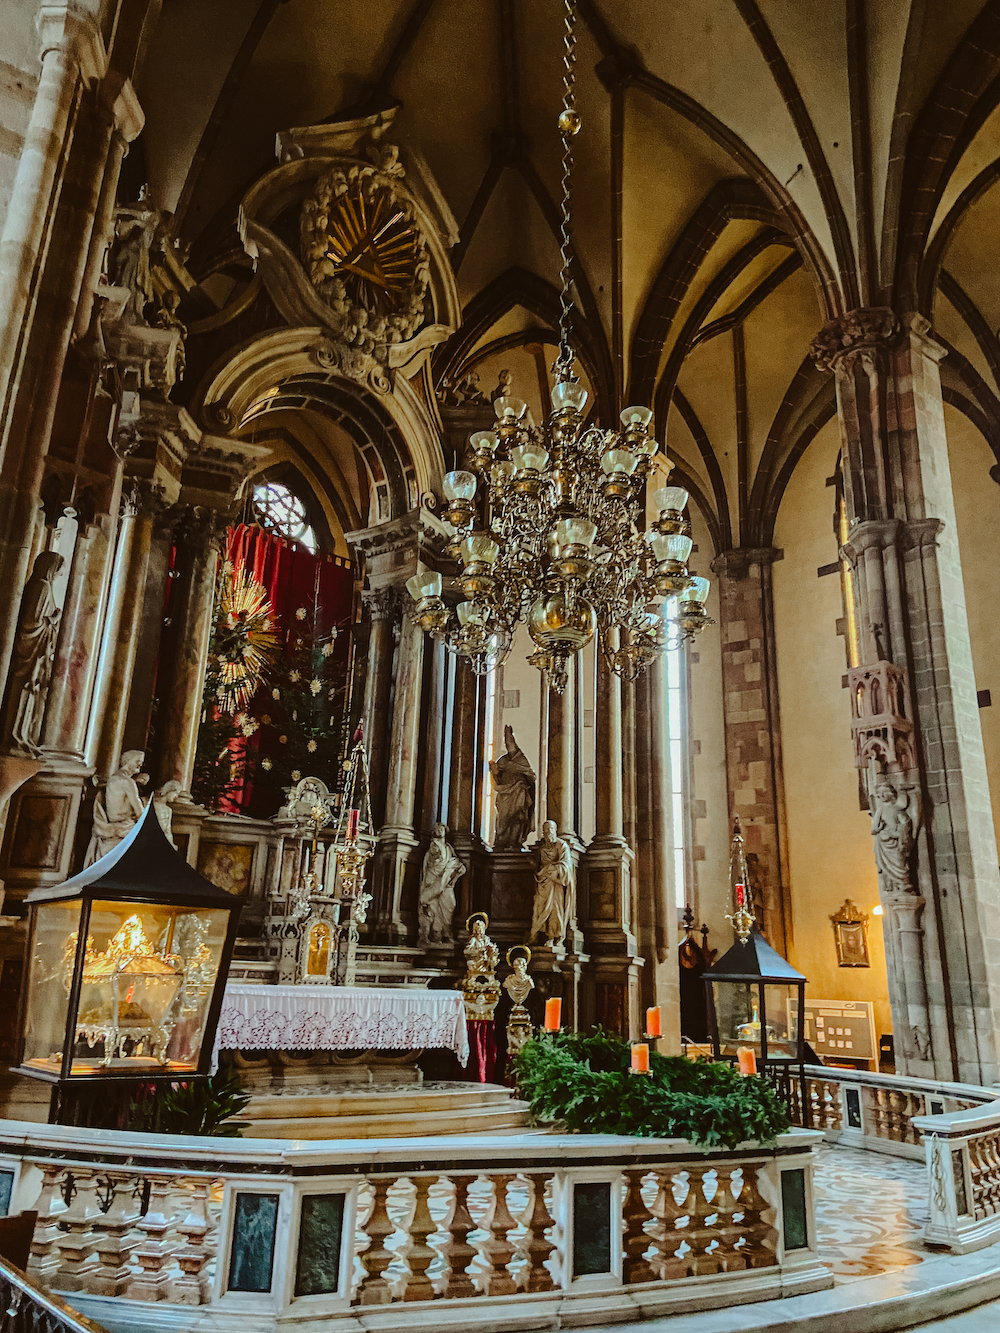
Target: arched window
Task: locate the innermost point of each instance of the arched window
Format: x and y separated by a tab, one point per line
281	511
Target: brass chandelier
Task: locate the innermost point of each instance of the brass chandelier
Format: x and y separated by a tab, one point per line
556	537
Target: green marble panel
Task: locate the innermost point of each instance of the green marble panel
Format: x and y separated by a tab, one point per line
591	1227
251	1259
317	1265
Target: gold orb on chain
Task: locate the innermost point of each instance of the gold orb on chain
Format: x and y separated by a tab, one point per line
569	122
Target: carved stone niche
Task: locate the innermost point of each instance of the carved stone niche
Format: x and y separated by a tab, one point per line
881	720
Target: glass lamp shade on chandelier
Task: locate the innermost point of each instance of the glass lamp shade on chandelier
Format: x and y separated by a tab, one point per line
549	523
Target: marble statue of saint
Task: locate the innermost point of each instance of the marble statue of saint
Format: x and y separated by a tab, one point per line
162	804
514	783
895	820
117	808
136	227
439	874
553	888
168	318
33	655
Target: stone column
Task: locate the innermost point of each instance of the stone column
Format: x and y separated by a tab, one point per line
560	784
396	872
436	668
924	754
605	875
198	538
71	47
150	673
121	629
465	730
656	896
383	613
752	728
71	691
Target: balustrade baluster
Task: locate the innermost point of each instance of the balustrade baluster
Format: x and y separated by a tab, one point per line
700	1234
456	1251
761	1237
374	1289
637	1239
538	1220
728	1231
155	1253
79	1241
497	1250
418	1254
117	1239
43	1261
667	1234
193	1284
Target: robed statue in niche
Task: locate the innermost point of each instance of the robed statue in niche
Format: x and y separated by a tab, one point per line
33	656
118	807
895	822
441	871
514	785
553	909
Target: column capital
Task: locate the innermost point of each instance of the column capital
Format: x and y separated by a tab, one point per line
73	30
384	603
852	337
735	563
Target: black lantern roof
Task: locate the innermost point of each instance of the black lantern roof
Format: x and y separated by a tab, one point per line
144	867
753	960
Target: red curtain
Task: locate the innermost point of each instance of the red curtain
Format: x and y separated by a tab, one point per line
293	577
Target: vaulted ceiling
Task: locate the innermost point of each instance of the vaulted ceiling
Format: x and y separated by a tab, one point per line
746	169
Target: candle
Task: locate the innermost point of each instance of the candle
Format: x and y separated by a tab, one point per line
640	1058
747	1060
739	895
353	819
654	1027
553	1014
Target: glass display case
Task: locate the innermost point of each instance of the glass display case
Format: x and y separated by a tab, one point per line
754	998
126	966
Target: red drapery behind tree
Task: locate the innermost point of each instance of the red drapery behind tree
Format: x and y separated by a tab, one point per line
293	577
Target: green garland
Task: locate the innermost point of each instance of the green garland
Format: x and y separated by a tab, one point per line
584	1083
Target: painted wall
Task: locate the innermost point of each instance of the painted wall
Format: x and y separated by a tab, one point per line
977	511
829	845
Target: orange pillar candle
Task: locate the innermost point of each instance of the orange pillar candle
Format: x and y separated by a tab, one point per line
654	1026
640	1058
553	1014
747	1060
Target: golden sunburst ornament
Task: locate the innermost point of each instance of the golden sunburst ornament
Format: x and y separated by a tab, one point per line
371	240
247	642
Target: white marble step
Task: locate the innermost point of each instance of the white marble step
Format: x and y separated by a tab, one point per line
510	1117
408	1100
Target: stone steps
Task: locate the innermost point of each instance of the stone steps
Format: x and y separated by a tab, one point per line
366	1113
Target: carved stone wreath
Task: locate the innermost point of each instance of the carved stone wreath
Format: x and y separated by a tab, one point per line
364	254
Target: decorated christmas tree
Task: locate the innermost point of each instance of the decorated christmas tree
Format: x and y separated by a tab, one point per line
301	710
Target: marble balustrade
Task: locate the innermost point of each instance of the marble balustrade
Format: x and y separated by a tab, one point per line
953	1127
529	1224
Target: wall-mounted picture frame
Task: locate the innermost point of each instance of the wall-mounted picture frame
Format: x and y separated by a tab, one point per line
850	933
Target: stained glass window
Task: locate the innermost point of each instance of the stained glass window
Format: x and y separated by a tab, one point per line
281	510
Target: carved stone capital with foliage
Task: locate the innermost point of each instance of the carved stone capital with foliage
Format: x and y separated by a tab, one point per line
852	337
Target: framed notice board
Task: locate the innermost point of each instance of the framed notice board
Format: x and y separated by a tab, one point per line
840	1029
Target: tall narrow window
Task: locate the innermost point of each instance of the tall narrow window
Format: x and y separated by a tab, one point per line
676	672
847	576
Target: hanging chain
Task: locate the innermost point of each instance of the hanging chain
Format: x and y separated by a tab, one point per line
569	125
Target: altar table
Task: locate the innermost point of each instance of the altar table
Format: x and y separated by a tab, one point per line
340	1018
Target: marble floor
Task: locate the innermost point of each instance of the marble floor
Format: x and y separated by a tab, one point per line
870	1212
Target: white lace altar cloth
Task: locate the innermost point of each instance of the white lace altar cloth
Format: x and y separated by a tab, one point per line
340	1018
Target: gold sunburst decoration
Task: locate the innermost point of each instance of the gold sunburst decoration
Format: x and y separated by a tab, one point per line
247	642
371	240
